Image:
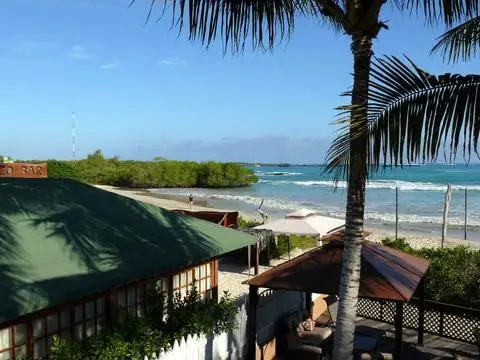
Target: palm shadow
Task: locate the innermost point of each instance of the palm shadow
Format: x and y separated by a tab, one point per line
102	239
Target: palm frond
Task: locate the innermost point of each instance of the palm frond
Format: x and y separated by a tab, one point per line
447	11
236	22
461	42
411	114
339	155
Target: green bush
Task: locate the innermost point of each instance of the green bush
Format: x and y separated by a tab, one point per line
62	170
248	223
454	273
151	174
273	251
300	242
166	320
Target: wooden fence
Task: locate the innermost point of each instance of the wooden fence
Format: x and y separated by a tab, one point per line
232	345
450	321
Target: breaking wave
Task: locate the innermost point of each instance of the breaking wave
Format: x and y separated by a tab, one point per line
380	184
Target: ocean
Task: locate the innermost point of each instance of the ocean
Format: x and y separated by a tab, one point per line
420	199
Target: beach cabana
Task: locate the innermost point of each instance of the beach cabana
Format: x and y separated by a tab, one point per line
305	222
70	253
386	274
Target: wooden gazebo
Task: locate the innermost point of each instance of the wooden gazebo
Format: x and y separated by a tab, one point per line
386	274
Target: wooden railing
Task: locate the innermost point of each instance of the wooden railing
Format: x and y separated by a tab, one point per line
447	320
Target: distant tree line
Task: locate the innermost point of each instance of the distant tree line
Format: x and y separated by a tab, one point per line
96	169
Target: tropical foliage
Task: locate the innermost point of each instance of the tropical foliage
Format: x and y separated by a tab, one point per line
454	273
412	115
460	43
151	174
165	320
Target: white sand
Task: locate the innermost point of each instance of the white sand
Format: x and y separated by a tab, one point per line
169	204
421	241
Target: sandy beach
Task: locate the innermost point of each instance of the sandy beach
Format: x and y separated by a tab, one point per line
231	276
416	240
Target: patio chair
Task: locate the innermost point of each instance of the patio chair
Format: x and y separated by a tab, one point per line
309	343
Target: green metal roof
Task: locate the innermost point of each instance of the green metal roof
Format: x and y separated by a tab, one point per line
61	240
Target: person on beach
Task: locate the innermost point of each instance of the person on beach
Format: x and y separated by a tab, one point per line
190	200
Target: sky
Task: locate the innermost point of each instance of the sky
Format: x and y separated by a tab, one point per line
140	90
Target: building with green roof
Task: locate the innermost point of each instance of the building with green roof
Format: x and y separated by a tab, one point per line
70	251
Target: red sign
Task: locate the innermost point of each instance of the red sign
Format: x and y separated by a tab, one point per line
21	170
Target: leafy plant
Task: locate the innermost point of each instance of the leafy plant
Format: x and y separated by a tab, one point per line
454	273
133	337
248	223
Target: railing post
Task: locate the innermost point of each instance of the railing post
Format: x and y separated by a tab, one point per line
308	303
421	311
252	323
382	303
398	330
440	326
257	258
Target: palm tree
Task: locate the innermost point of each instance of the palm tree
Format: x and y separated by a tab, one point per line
412	113
265	22
460	43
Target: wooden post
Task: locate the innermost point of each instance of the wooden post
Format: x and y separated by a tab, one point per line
448	197
465	226
252	322
421	311
396	213
398	330
257	258
288	246
249	258
308	303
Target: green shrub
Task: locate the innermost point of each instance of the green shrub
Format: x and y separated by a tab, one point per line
62	170
151	174
399	243
248	223
454	273
166	320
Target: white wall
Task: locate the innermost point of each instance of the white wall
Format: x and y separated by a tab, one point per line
272	306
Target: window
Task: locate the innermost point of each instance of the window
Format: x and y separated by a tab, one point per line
204	279
88	318
201	276
131	298
13	342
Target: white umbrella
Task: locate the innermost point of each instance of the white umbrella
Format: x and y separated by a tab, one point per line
304	222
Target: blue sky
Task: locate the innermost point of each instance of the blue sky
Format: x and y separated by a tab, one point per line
139	90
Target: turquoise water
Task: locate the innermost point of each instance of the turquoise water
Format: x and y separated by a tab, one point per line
421	194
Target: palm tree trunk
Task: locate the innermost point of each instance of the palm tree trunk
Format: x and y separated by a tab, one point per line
350	277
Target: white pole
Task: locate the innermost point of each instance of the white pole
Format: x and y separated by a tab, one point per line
448	197
73	135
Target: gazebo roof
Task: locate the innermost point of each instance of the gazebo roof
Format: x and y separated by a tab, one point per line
386	273
304	222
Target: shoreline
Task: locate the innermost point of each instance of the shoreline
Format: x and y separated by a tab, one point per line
416	238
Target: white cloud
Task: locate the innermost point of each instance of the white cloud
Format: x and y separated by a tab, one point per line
110	66
173	61
78	52
28	47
